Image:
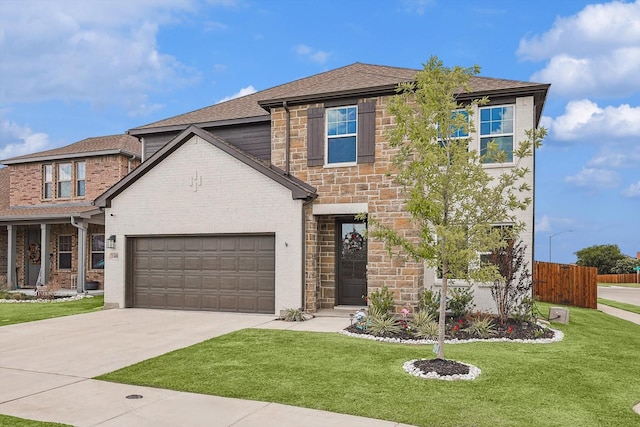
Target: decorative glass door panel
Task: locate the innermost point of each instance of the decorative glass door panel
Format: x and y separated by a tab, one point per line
351	262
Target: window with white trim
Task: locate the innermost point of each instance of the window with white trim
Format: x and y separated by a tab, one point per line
97	251
47	178
64	180
342	131
496	124
80	179
65	246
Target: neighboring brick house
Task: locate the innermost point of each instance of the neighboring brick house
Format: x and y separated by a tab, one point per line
249	205
50	232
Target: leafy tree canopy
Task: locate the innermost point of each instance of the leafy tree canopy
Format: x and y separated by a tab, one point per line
603	257
453	200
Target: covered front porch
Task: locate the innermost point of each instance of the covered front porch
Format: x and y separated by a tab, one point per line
62	251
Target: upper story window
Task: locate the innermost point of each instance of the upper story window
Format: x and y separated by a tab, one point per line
496	124
64	180
341	135
80	179
47	178
342	132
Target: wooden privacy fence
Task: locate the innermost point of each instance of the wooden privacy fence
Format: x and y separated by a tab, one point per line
565	284
618	278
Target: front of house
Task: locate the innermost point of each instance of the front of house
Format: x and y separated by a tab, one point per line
50	231
250	205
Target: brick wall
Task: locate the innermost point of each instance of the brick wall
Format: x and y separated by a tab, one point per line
362	183
26	180
3	255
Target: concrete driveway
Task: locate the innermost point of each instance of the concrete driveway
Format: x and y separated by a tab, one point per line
46	366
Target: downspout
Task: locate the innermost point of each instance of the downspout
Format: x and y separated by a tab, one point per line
533	197
133	157
82	253
287	137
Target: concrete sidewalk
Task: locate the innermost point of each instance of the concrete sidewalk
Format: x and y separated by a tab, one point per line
46	366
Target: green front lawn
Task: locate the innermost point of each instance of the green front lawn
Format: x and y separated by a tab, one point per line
6	420
622	285
19	312
590	378
621	305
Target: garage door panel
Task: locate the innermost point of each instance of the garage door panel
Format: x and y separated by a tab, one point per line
228	263
218	273
175	263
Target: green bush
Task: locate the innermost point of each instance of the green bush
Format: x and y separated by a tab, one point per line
382	300
430	302
428	330
461	302
383	325
420	319
481	328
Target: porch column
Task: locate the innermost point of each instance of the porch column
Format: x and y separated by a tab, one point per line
45	262
82	251
12	279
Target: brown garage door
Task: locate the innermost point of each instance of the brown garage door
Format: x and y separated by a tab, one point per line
217	273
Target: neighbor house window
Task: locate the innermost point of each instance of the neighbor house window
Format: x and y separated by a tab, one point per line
341	135
47	178
80	179
496	124
97	251
64	180
64	252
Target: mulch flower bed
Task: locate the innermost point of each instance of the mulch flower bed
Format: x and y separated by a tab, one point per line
455	333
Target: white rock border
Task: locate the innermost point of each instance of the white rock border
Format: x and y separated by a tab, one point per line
45	300
409	367
557	336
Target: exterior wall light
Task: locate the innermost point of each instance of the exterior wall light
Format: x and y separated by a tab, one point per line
111	242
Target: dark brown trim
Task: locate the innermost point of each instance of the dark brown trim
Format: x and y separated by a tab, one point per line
216	123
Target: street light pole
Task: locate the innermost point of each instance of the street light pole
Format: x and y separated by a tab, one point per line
555	234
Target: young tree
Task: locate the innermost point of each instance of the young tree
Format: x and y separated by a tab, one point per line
514	287
452	199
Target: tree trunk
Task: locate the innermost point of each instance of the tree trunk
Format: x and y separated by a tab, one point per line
443	312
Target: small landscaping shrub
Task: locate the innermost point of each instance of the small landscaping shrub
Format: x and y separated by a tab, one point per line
296	315
420	319
382	300
383	325
430	302
461	302
427	330
482	327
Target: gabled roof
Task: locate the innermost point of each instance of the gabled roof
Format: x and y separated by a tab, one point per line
355	80
299	189
97	146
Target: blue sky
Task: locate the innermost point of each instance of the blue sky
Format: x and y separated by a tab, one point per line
72	69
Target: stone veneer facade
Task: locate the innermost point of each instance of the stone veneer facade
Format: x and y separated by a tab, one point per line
363	183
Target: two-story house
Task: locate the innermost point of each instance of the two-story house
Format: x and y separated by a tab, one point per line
50	231
249	205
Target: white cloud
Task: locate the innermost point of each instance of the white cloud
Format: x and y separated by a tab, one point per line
632	191
594	179
583	120
19	140
616	158
544	225
595	52
242	92
104	53
417	6
317	56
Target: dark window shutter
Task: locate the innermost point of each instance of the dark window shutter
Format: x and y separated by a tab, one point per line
315	136
366	132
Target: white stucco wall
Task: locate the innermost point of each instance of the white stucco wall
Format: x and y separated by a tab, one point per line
199	189
524	120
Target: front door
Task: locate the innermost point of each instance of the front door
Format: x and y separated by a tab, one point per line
32	261
351	262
